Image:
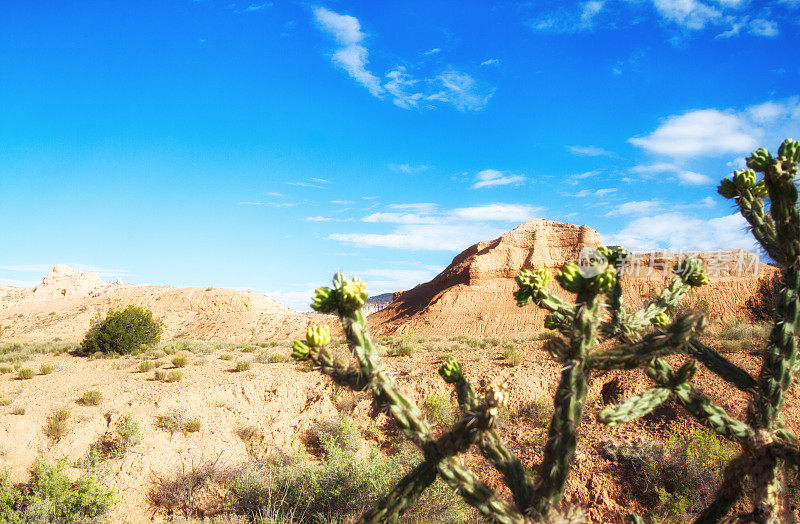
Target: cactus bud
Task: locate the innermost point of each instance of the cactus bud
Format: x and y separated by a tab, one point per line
603	281
760	190
450	370
691	272
497	395
660	320
300	350
551	322
318	336
790	150
727	188
571	279
686	372
323	300
744	179
531	285
353	294
759	160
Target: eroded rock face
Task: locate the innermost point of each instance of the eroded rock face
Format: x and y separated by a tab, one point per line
474	294
62	306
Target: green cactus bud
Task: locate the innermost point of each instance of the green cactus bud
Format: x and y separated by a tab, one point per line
744	179
760	160
324	300
318	336
603	281
551	322
685	373
534	281
727	188
450	370
571	279
353	294
790	150
690	270
660	320
300	350
760	190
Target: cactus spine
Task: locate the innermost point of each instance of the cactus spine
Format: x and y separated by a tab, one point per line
599	314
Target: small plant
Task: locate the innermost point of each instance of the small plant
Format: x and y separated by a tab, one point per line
46	369
124	332
176	421
243	365
159	374
513	357
6	369
226	356
270	357
91	398
25	374
193	425
56	426
176	375
249	349
18	410
146	366
129	430
5	401
407	345
180	361
50	496
438	409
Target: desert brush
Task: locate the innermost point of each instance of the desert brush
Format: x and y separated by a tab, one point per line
770	451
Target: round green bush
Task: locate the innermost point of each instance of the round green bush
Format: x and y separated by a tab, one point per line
123	332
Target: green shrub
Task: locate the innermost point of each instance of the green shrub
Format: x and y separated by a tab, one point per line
226	356
180	361
407	345
129	430
176	421
5	401
176	375
193	425
56	426
146	365
6	369
438	409
513	357
159	374
123	332
243	365
46	369
18	410
270	357
50	497
25	374
91	398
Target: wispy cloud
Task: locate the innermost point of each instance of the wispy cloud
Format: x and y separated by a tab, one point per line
670	172
276	205
405	89
641	207
257	7
491	61
430	228
316	183
493	177
589	151
583	193
433	51
408	168
317	219
342	202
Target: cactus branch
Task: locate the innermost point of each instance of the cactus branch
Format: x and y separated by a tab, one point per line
634	407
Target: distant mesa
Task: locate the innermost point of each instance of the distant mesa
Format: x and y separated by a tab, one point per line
376	303
474	294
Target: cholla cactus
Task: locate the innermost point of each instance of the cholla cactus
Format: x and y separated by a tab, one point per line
639	339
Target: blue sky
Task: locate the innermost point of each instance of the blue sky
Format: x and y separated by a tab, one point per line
263	145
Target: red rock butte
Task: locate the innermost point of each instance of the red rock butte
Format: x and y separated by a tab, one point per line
474	294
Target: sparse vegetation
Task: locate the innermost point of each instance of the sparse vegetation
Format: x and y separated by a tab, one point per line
18	410
243	365
57	424
6	369
46	369
146	366
438	409
180	361
25	374
127	331
408	344
513	357
159	374
175	375
177	421
91	398
50	497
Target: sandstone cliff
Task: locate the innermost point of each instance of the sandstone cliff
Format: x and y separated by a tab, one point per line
474	293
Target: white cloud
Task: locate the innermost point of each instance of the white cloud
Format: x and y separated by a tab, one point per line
491	61
672	172
641	207
433	51
583	193
400	218
257	7
351	55
433	229
390	280
694	179
460	90
573	179
701	132
589	10
589	151
498	212
690	14
317	219
417	207
342	202
493	177
404	89
408	168
761	27
679	232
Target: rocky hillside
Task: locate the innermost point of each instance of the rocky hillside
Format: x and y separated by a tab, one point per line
474	293
62	306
